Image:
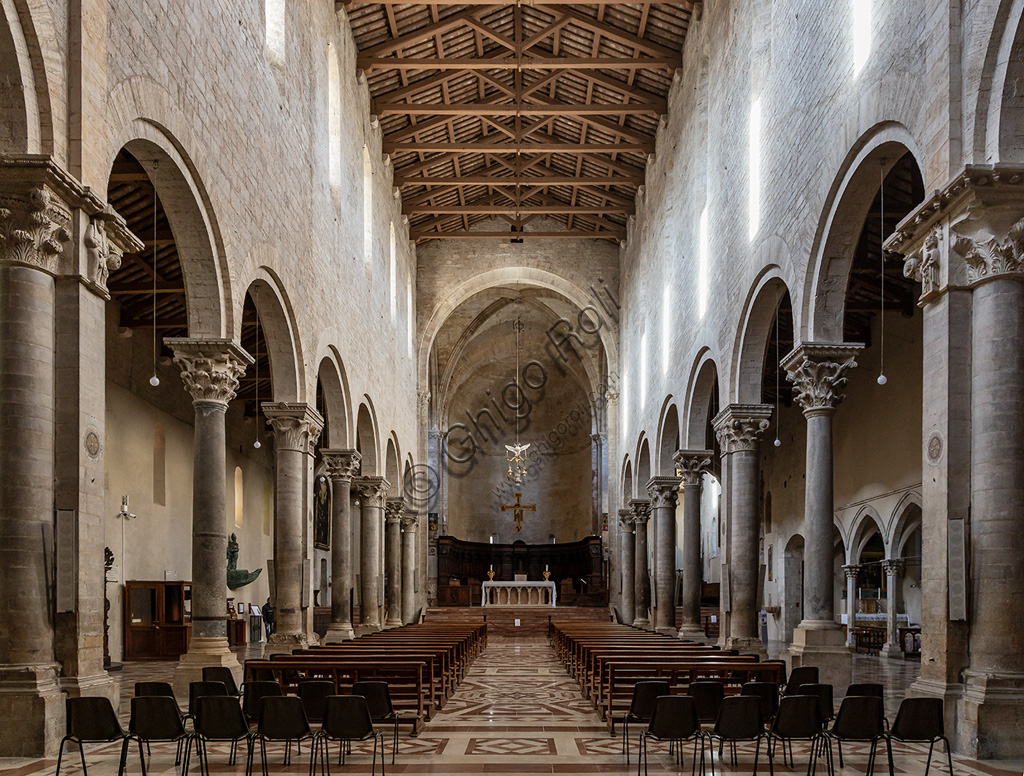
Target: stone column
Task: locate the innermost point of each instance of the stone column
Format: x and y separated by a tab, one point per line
818	374
664	493
641	513
692	464
210	370
739	428
627	557
851	603
342	466
394	508
296	427
892	568
410	521
372	492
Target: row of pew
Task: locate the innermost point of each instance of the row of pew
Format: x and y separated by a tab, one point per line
422	664
608	659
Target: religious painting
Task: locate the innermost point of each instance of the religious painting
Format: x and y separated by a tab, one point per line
432	521
322	514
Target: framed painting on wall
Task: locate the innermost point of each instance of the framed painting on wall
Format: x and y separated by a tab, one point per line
322	514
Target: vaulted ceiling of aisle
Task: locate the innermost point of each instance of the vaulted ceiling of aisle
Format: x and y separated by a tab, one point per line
519	111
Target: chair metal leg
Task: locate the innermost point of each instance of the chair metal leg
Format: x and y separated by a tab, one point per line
757	753
928	763
81	754
949	755
188	750
141	758
60	753
839	744
373	767
263	754
625	737
394	747
124	755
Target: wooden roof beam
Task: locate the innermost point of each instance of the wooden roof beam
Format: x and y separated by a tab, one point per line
539	210
668	62
554	147
546	180
416	234
652	108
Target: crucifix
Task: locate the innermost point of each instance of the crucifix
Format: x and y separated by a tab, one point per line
517	510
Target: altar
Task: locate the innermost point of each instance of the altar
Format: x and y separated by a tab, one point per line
518	594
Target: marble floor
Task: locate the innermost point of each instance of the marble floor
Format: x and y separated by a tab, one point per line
516	712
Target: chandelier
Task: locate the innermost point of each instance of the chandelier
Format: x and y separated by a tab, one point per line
515	454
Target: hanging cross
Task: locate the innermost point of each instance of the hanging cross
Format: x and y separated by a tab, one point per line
517	510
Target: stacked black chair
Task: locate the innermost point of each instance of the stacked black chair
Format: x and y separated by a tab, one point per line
282	719
708	696
919	721
801	675
861	718
768	692
161	689
346	719
826	706
799	720
253	694
197	690
221	674
674	719
92	721
314	693
157	718
641	707
220	718
769	676
739	721
378	699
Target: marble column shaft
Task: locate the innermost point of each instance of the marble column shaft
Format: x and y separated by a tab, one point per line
692	464
393	510
342	466
410	522
892	568
627	559
296	427
372	491
664	493
641	511
739	428
851	603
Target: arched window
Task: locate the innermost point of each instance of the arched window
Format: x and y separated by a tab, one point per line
239	498
367	210
275	21
409	320
334	116
392	269
159	466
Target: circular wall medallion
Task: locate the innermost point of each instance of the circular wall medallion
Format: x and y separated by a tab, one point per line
92	443
935	447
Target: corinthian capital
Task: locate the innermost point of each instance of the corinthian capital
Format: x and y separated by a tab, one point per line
296	425
640	509
991	256
35	226
626	518
818	373
692	464
210	369
664	492
410	521
372	490
342	465
739	426
393	509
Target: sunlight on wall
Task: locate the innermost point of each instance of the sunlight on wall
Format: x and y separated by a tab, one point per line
625	403
275	16
367	210
334	116
643	370
702	265
408	314
754	194
861	34
392	280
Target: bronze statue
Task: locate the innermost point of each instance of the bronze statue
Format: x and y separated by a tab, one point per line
238	577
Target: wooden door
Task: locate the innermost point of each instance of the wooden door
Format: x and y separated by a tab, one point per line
143	602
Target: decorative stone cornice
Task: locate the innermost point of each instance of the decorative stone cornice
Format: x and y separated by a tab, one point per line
692	464
342	465
296	426
739	426
818	373
372	490
851	571
664	492
210	368
640	511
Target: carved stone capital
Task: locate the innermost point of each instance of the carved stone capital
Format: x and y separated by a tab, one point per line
296	426
988	257
341	465
739	426
664	492
893	566
372	491
818	373
851	571
410	521
640	511
210	369
612	397
394	508
423	397
692	464
626	518
924	265
35	228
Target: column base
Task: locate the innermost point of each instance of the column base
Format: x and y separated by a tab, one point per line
668	631
338	632
393	622
286	642
203	652
642	622
692	631
821	643
32	707
891	651
747	645
990	715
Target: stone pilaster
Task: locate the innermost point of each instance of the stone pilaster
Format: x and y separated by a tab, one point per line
342	467
410	522
210	370
664	493
692	464
394	509
296	427
640	514
372	492
851	572
627	560
739	428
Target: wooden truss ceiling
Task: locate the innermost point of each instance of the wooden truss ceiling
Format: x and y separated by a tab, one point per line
519	112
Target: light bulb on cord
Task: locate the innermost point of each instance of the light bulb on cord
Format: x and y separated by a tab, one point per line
257	444
882	379
777	442
154	380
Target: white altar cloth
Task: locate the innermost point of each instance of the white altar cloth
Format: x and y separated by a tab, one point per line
518	594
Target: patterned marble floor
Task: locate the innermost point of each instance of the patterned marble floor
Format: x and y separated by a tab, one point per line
517	712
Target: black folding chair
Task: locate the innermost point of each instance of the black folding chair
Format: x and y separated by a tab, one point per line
739	720
645	693
92	721
314	693
347	719
221	674
282	719
161	689
860	718
220	718
674	719
253	694
157	718
919	721
800	675
768	692
197	690
378	699
799	720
